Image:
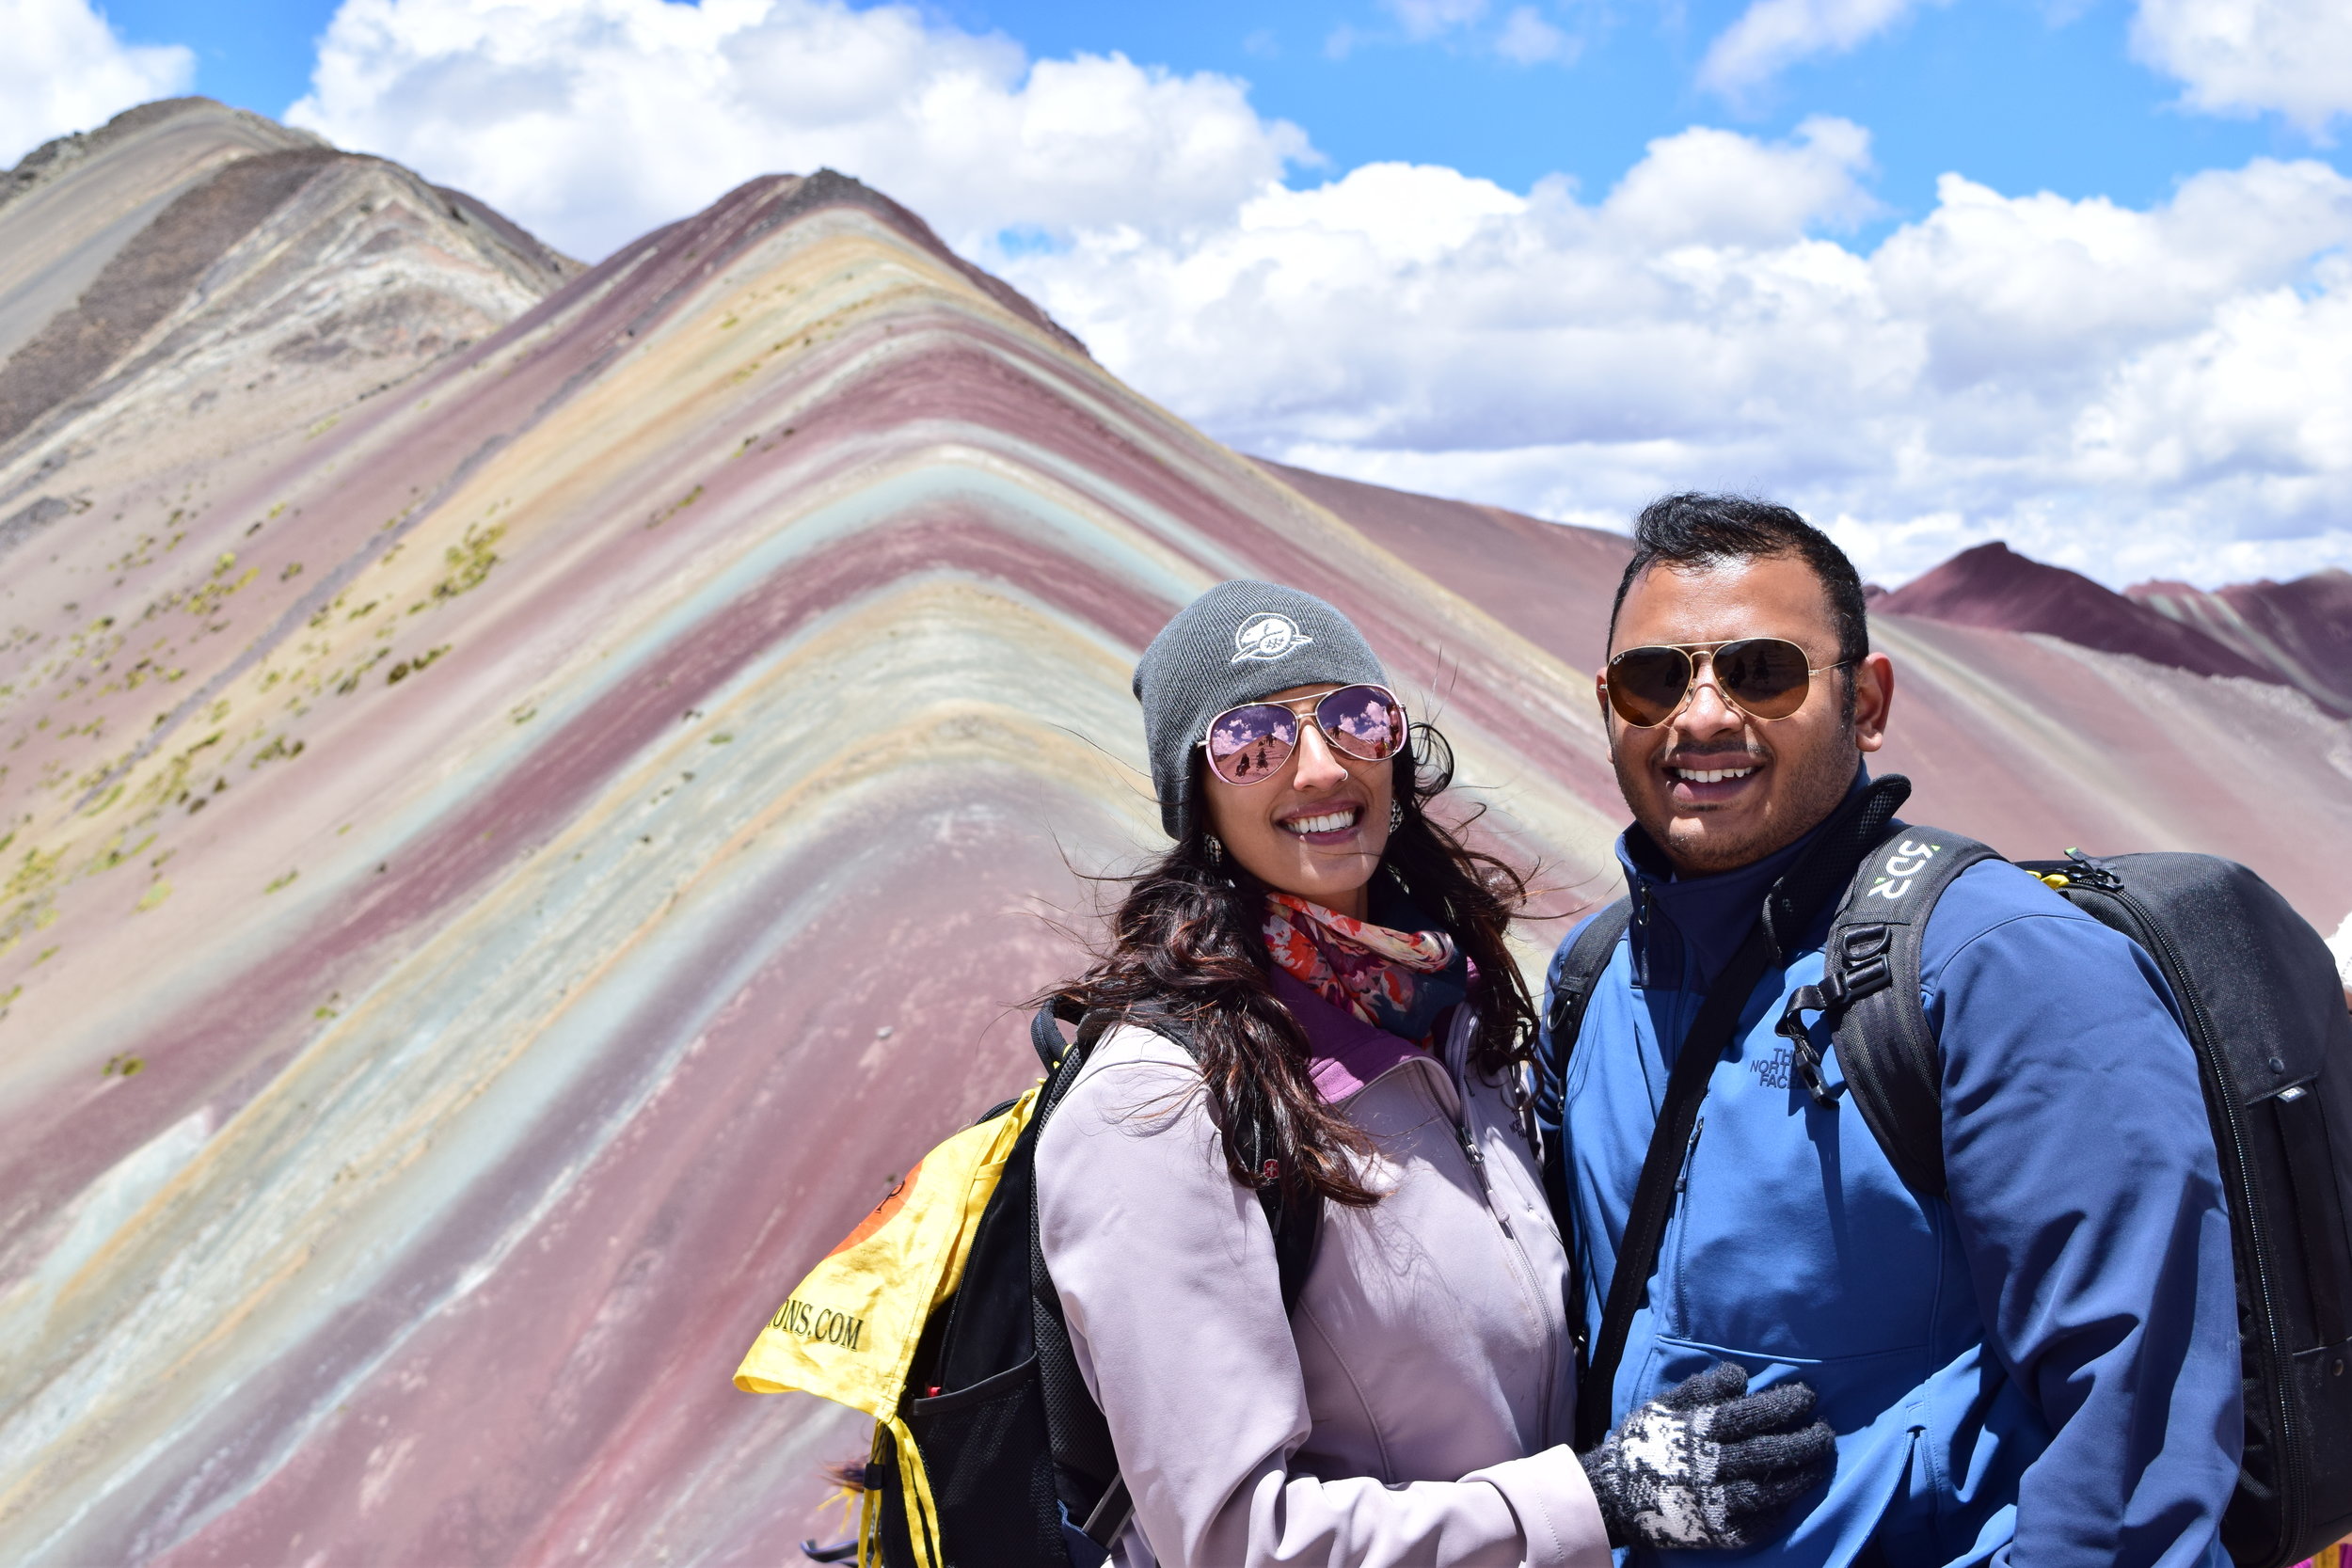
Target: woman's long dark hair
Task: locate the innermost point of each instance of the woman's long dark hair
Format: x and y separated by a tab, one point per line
1185	943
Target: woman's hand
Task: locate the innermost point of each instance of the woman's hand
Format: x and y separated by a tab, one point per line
1708	1464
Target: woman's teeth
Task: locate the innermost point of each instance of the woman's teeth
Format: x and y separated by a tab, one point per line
1716	775
1329	822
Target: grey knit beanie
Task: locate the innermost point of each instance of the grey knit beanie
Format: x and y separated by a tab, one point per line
1236	643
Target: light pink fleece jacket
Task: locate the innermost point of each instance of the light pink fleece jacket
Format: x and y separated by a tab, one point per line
1416	1408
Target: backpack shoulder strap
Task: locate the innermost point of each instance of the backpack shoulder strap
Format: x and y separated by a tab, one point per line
1081	1438
1293	1214
1573	978
1295	1217
1869	996
1654	1190
1576	975
1045	1035
1076	1431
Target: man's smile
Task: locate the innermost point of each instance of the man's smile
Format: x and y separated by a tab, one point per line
1702	782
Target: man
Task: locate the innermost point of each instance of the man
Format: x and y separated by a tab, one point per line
2040	1370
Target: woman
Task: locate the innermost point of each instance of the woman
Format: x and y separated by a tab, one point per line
1335	960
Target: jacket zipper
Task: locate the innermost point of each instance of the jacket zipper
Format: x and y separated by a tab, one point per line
1681	1222
2201	1036
1478	1166
1523	1268
1459	1073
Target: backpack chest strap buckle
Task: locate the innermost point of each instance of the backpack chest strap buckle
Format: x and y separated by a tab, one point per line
1862	971
1809	998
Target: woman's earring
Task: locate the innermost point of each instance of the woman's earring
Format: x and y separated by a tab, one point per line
1216	851
1396	814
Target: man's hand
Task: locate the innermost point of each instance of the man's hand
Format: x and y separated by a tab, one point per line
1707	1463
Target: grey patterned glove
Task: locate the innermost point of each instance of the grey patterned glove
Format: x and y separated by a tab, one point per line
1708	1464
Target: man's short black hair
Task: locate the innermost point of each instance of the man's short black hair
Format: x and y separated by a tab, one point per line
1693	530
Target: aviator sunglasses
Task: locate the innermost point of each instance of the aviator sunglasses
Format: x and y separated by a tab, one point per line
1250	744
1764	677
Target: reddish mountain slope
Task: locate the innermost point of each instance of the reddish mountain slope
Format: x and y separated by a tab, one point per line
1993	586
2301	628
514	843
1551	583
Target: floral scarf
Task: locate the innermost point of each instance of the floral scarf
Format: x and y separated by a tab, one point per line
1396	980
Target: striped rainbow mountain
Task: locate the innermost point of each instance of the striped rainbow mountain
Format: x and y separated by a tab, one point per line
531	793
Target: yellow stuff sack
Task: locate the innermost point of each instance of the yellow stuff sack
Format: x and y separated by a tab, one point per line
848	1333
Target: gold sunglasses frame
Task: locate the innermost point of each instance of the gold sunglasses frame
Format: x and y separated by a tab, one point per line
1695	653
1291	706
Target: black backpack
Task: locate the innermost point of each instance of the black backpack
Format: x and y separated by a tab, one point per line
2266	1013
1019	1456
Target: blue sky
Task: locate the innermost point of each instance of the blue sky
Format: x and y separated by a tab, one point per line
2073	273
1994	88
2018	94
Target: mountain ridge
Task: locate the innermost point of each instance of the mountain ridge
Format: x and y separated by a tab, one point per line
519	814
2302	628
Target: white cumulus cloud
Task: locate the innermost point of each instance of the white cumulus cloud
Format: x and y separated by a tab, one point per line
592	120
2242	56
1527	39
1772	34
1427	19
2157	391
2131	393
63	69
1524	36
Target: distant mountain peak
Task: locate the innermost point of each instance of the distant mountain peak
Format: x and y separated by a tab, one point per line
59	155
2302	628
170	218
1991	585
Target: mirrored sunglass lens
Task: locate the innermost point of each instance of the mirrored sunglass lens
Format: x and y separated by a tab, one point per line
1363	721
1646	685
1765	675
1248	743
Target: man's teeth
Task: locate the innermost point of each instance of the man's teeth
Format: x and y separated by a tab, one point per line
1716	775
1329	822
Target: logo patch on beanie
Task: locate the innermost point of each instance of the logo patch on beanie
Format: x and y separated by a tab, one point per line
1267	635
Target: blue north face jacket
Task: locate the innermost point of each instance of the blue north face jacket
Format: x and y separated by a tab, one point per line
2042	1371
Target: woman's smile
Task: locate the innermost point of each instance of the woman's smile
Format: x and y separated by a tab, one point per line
1324	824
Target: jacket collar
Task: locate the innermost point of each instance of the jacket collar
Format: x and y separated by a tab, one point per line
1343	1052
1707	915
